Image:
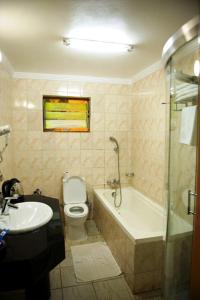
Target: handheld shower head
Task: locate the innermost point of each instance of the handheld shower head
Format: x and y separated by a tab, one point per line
113	140
4	129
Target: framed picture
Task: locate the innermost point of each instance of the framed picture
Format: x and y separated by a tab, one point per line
66	114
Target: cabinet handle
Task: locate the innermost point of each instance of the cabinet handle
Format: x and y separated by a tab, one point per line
189	211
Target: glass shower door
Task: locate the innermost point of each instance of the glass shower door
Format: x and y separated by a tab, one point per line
182	171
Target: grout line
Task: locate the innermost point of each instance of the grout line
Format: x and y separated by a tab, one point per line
94	291
60	278
62	293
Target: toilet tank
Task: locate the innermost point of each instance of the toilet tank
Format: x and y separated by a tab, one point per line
74	189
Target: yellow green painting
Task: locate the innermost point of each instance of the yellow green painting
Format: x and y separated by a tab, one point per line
66	114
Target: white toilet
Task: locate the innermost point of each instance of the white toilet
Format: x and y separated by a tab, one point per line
75	208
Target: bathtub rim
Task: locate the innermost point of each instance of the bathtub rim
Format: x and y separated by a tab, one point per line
122	223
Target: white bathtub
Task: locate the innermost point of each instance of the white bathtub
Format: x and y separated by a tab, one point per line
138	216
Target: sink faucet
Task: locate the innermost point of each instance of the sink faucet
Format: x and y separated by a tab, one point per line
6	204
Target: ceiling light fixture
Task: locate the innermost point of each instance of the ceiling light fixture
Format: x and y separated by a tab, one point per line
97	46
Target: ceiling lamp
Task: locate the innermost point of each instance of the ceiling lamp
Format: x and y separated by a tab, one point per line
97	46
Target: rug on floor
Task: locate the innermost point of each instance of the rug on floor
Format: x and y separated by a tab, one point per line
94	261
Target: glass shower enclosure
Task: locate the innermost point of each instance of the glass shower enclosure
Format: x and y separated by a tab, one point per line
181	56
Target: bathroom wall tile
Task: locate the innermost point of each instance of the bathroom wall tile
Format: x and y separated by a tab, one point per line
74	157
110	159
62	161
48	159
62	141
111	103
19	119
98	158
35	140
148	129
19	93
20	139
86	158
34	160
48	141
34	99
74	140
97	103
98	141
110	122
89	89
75	88
123	122
113	107
98	176
86	140
97	122
124	104
51	184
86	172
35	120
110	173
123	140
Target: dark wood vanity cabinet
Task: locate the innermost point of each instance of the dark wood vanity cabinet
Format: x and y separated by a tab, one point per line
29	257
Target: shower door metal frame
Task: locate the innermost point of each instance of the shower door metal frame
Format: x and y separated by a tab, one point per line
185	34
195	278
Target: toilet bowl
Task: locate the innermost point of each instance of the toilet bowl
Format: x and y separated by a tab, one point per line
75	208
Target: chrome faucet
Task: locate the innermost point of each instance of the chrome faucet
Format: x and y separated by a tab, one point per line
114	184
6	204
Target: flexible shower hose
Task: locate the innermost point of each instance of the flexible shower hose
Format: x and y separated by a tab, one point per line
120	188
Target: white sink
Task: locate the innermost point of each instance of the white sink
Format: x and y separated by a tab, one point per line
28	216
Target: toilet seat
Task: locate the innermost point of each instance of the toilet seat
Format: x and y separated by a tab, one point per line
68	209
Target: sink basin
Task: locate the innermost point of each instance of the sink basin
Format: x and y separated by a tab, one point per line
28	216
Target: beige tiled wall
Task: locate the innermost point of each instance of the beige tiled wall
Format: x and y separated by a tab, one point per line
133	114
148	135
41	158
6	167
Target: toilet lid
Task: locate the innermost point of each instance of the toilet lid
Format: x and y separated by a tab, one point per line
76	210
74	189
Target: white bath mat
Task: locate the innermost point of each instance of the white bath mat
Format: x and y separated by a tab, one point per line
94	261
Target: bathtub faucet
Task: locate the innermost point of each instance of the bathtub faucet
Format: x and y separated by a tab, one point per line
114	184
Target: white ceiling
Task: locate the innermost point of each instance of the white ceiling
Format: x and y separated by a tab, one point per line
31	33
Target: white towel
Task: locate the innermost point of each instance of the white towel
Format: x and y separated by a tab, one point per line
186	91
188	125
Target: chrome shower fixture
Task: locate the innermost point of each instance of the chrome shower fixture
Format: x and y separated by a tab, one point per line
4	129
112	139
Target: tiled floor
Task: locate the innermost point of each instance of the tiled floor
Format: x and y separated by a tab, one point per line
65	287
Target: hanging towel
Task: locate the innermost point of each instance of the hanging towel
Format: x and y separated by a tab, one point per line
188	125
186	91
